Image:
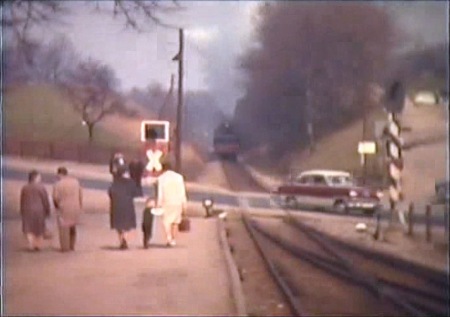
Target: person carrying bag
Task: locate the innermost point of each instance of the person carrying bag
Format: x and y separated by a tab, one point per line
147	221
185	224
171	197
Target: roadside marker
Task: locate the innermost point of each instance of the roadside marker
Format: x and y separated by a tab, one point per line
394	144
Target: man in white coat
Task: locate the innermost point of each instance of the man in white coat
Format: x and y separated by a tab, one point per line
171	197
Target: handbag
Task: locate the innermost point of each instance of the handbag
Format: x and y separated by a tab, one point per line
157	211
185	224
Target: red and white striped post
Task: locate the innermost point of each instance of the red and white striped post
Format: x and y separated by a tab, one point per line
394	146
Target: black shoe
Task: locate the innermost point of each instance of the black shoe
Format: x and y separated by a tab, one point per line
123	245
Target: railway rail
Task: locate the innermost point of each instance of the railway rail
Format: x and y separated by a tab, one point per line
238	178
320	275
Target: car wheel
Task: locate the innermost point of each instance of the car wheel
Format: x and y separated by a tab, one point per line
340	207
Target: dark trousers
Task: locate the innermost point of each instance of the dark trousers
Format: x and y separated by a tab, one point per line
147	225
67	238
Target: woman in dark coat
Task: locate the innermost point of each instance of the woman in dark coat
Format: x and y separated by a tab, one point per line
136	170
123	216
34	208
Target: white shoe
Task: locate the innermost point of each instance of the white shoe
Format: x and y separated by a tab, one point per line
172	243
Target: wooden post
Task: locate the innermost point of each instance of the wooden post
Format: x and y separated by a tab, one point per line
178	131
410	219
428	223
446	224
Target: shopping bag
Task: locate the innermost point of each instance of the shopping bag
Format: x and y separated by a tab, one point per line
157	211
185	225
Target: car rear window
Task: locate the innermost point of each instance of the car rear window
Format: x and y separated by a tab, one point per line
341	180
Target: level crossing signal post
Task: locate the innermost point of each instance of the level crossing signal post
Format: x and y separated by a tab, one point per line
394	147
155	137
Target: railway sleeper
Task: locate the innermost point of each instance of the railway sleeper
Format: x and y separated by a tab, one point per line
439	279
330	265
435	296
431	308
355	276
287	291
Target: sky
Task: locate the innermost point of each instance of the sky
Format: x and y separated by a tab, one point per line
216	33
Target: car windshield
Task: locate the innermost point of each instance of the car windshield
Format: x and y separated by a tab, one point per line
341	180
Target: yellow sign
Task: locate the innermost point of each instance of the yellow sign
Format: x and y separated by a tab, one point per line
367	147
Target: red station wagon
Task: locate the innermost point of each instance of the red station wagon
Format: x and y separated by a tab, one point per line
330	189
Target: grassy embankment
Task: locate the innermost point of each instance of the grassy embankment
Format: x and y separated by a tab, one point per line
425	161
335	151
42	113
339	150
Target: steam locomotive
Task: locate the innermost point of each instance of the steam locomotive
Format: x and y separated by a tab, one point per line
226	142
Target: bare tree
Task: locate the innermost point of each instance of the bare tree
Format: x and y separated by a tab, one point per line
136	12
20	62
21	16
30	61
57	59
91	90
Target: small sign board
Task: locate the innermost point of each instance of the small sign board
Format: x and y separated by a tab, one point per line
367	147
159	128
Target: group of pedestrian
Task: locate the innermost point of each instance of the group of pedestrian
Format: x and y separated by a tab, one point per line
35	209
170	199
67	198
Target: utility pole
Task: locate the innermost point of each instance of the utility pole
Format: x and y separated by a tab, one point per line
166	110
364	135
179	121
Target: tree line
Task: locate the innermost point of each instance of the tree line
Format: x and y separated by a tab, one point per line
91	86
312	70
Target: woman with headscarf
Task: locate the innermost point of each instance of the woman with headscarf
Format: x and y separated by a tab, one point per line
122	212
117	164
34	208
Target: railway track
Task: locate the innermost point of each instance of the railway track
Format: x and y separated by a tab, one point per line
320	275
238	179
390	287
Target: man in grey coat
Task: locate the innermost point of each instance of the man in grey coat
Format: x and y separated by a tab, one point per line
68	201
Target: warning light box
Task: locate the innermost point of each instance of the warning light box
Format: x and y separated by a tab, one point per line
158	128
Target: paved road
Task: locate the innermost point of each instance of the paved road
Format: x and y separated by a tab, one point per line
238	200
98	279
50	178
